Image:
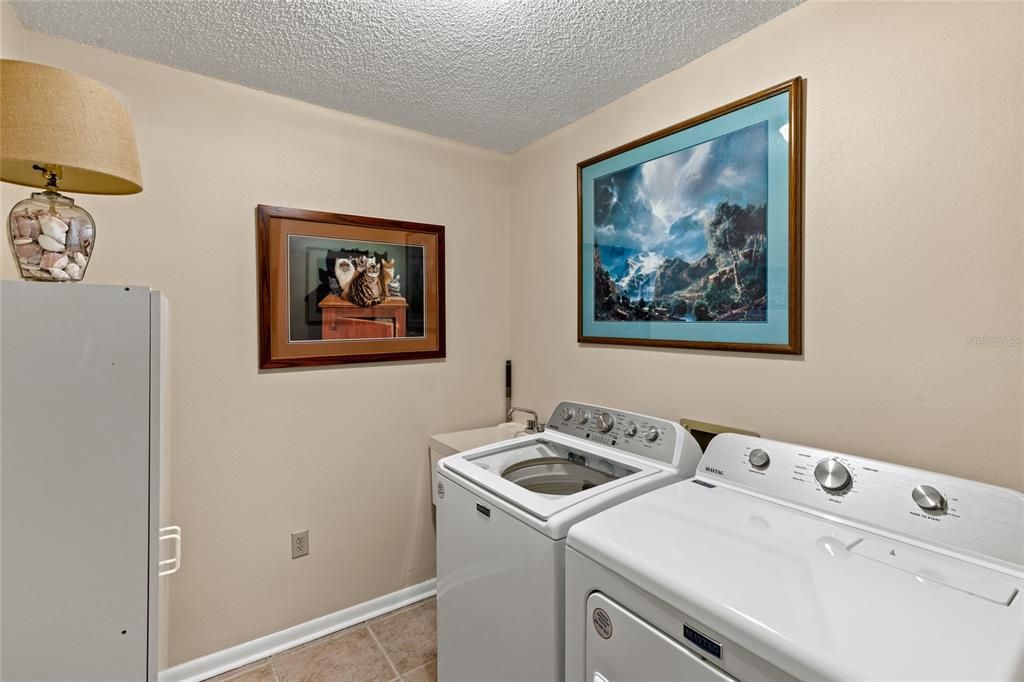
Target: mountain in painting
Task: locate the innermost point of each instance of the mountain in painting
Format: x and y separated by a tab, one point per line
683	237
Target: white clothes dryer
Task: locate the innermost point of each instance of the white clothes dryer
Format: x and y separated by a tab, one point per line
782	562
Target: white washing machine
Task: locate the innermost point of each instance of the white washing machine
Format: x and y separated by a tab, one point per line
782	562
502	516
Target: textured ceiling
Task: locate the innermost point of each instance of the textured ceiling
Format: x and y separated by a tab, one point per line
494	73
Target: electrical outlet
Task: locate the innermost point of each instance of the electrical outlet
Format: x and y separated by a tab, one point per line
300	544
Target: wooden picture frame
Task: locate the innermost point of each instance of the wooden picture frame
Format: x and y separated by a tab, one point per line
666	291
336	289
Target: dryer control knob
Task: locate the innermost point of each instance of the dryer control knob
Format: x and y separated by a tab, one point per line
759	459
631	429
604	422
929	499
833	475
583	418
568	413
651	434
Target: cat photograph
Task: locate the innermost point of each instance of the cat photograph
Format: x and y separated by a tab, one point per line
341	273
338	288
387	275
344	271
373	276
366	289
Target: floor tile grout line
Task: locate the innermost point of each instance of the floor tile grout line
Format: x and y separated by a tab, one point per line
422	667
387	658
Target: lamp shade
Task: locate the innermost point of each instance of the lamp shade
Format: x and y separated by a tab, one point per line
52	117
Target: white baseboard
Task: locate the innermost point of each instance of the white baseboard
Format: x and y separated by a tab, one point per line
261	647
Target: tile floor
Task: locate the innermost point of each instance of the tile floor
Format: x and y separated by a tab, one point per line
396	647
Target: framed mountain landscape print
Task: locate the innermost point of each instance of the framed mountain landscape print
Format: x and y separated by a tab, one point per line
691	237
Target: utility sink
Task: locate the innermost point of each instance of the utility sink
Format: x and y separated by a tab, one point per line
444	444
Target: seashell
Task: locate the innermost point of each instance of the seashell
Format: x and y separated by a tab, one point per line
52	227
22	240
74	270
88	232
53	260
80	259
30	252
49	243
59	274
26	226
74	239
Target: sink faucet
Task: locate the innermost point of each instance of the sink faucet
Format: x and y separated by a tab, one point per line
534	424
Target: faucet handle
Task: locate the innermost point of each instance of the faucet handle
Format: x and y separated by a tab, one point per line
533	424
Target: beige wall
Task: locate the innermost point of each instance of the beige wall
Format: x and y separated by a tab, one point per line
11	33
913	242
339	451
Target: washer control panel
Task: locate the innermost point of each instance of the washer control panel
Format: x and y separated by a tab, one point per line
636	434
961	514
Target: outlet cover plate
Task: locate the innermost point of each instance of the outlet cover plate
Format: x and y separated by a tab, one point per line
300	544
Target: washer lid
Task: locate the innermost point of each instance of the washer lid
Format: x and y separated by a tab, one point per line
817	598
526	472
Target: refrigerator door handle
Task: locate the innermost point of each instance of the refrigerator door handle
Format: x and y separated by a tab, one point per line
169	566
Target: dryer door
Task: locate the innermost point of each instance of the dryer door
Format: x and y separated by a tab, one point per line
621	648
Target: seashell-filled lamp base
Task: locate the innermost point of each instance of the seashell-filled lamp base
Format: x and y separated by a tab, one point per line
52	238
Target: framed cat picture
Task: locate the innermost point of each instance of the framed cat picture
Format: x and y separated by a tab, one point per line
691	236
336	289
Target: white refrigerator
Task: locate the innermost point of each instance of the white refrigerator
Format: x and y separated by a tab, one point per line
80	432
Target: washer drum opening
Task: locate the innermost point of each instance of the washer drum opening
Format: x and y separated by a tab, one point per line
554	476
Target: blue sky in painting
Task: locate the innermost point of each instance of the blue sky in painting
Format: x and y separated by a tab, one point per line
659	209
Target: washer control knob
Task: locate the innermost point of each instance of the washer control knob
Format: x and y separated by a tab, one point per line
651	434
833	475
759	459
631	429
583	418
929	499
604	422
568	413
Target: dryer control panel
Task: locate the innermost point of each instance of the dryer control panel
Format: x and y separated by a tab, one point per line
961	514
636	434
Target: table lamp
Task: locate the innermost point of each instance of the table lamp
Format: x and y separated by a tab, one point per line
59	130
